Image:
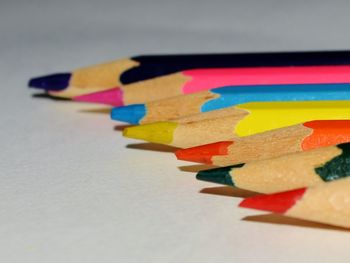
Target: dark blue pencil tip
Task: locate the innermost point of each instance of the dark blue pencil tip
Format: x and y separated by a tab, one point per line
55	82
132	114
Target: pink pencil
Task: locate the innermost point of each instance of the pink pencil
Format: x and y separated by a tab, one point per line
190	81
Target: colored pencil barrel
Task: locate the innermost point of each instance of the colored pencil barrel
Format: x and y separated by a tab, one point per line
323	203
196	80
124	71
152	66
239	121
270	144
286	172
180	106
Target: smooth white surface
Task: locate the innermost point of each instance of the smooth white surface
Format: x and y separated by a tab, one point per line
70	189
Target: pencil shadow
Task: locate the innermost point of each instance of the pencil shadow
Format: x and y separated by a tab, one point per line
195	168
228	191
152	147
48	97
105	110
284	220
121	127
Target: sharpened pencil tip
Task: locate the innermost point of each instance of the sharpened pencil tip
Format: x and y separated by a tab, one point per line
203	153
55	82
157	132
276	203
113	97
132	114
217	175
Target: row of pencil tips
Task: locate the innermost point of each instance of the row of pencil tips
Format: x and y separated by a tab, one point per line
274	123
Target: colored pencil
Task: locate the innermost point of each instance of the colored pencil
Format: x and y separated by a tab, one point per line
270	144
124	71
285	172
324	203
239	121
180	106
190	81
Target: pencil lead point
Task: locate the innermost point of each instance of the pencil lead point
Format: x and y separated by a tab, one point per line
132	113
276	203
217	175
157	132
113	97
203	153
55	82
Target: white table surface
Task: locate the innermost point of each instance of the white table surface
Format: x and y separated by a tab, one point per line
72	190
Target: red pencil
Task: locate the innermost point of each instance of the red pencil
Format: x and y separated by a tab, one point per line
324	203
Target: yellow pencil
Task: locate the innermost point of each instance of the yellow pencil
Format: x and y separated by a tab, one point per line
243	120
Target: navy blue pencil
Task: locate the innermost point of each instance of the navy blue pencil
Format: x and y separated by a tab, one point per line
124	71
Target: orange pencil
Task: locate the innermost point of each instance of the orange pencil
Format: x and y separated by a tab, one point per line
296	138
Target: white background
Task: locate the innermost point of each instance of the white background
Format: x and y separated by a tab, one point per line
72	190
